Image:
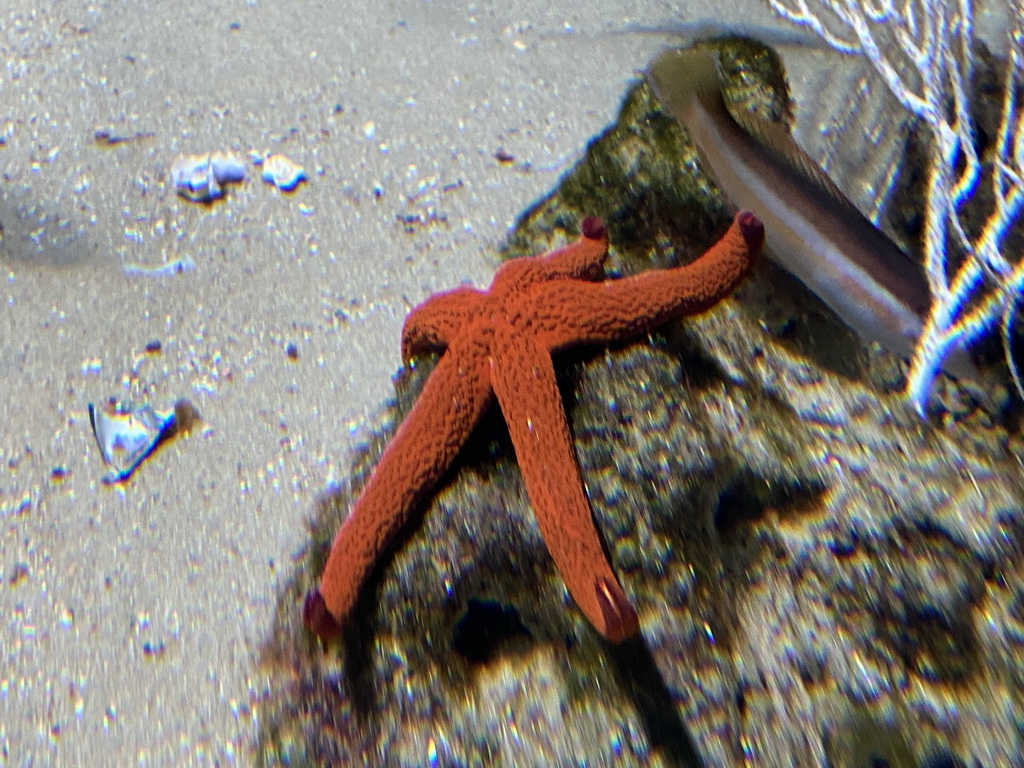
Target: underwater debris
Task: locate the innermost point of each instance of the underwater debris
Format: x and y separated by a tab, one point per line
282	172
200	178
128	435
227	169
175	267
108	137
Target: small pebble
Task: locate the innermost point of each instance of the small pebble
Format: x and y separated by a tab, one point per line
227	169
292	351
282	173
186	416
19	573
153	649
199	178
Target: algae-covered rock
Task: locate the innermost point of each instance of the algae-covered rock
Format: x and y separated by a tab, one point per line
821	577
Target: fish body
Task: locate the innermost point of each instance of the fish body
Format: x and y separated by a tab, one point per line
811	229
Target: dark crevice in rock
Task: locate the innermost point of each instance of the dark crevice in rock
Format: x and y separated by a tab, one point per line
748	497
486	629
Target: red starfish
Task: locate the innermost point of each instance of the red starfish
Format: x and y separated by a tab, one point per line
499	343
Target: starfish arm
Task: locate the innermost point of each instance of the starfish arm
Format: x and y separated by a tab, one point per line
580	260
434	323
523	378
568	313
453	400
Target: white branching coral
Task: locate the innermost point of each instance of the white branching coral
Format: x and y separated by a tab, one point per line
924	51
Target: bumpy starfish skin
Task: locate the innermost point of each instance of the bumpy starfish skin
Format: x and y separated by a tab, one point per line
500	343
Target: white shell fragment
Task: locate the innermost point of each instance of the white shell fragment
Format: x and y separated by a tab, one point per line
199	178
282	172
127	435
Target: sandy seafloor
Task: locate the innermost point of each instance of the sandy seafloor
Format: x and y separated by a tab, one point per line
130	616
